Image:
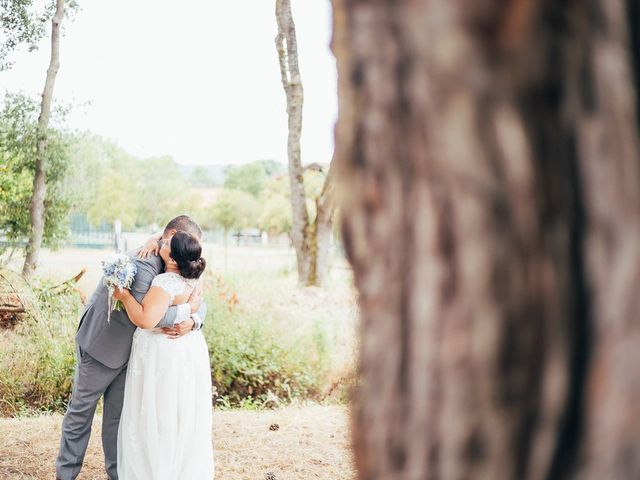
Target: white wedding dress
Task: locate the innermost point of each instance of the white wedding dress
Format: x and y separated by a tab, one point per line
165	427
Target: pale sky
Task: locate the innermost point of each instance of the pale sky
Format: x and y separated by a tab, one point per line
197	80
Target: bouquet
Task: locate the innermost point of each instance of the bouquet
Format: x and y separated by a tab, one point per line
118	272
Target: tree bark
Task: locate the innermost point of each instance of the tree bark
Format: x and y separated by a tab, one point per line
322	228
36	208
287	48
310	240
487	158
633	16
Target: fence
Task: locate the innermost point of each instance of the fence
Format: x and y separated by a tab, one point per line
84	235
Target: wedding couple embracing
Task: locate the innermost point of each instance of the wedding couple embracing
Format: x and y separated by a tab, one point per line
150	362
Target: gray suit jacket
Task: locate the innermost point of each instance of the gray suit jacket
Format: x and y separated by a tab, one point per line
110	343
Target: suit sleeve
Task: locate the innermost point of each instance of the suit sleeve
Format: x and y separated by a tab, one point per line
142	284
200	315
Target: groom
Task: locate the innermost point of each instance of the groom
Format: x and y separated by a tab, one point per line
103	349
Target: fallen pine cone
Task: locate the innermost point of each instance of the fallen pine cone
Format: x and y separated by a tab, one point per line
270	476
273	427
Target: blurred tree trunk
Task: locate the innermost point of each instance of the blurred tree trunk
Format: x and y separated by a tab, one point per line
489	176
37	209
310	240
633	16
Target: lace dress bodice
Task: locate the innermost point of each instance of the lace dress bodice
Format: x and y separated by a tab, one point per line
173	284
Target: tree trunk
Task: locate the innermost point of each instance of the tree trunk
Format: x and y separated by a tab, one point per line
488	170
287	48
633	16
36	208
310	240
322	228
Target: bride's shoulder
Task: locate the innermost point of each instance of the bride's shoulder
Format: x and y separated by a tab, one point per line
168	281
163	275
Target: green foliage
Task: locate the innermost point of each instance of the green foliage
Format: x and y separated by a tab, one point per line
275	217
18	137
249	178
277	185
269	344
257	360
21	24
36	368
162	186
24	23
200	177
234	209
108	184
313	183
92	158
114	200
271	167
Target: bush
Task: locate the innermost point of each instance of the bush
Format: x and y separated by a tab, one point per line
254	362
37	359
262	356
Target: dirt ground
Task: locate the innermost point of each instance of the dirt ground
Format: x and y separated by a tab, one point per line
311	442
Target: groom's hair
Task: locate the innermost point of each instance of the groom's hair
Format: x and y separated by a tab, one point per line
183	223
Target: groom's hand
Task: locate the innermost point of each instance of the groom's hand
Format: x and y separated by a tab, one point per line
195	299
180	329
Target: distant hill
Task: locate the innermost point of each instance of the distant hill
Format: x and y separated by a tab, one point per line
214	175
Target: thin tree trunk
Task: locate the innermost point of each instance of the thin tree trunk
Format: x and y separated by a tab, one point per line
36	208
488	168
310	240
287	48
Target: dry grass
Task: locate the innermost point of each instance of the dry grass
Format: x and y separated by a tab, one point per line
312	442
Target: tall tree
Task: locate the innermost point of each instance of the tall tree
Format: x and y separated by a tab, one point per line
490	187
36	209
308	237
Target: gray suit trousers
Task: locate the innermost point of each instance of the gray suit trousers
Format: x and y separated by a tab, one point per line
92	380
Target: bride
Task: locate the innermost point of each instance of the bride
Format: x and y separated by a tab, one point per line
165	427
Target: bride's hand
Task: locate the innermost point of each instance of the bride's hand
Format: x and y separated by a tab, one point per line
152	246
119	294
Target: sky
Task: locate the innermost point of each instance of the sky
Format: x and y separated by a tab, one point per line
196	80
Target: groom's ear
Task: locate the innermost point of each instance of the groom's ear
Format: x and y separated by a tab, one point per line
169	233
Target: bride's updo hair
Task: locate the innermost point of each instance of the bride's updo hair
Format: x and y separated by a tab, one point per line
186	251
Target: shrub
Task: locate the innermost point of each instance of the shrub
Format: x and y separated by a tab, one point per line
37	359
253	361
262	355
